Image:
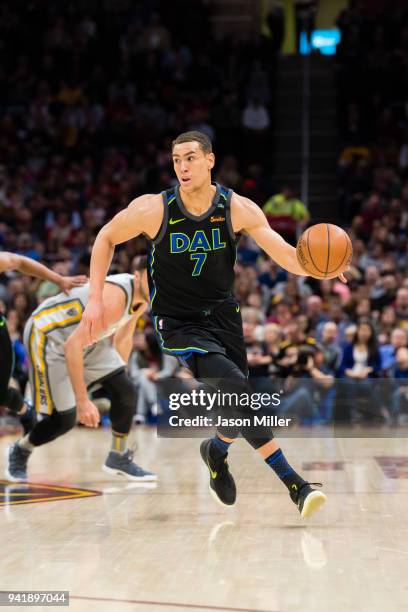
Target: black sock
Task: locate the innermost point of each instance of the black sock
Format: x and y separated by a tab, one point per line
284	471
28	419
218	448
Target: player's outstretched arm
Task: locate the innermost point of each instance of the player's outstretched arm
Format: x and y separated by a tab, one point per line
248	217
142	216
26	265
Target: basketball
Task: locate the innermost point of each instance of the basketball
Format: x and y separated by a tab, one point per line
324	251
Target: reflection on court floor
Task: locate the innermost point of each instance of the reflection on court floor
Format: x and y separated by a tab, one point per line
171	547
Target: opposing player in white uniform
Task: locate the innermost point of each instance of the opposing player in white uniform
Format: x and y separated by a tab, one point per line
64	367
10	398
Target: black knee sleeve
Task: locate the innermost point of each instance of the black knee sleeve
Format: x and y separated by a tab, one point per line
257	439
223	374
53	426
122	394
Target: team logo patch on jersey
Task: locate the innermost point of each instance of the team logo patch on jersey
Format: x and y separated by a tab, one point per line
214	219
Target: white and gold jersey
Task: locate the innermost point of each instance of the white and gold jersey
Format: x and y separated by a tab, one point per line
45	334
59	315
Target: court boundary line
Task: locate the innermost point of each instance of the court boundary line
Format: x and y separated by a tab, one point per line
169	604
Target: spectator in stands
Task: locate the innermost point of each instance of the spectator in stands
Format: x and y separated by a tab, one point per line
332	353
401	307
255	121
302	376
272	339
399	404
314	311
255	117
360	363
388	352
286	214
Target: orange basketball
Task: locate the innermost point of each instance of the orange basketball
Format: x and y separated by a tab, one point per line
324	251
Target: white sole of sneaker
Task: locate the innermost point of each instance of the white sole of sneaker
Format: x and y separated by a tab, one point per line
7	474
313	502
116	472
11	478
217	499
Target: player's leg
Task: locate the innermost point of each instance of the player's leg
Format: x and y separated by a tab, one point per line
227	325
123	395
50	427
9	396
53	398
214	452
6	352
219	372
307	499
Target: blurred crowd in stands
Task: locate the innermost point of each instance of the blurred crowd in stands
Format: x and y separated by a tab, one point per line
89	103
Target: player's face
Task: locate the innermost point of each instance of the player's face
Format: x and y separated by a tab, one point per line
192	166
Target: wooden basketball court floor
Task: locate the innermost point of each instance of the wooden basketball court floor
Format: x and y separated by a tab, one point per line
170	547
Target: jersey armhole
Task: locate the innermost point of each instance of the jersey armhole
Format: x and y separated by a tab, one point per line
234	237
160	234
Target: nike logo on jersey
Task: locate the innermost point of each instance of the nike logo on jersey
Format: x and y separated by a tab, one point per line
174	221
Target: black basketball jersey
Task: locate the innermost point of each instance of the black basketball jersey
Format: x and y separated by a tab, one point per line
191	260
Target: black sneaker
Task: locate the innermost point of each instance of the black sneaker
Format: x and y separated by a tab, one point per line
308	500
123	465
16	470
222	484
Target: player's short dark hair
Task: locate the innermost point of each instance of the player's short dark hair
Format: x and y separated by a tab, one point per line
202	139
139	263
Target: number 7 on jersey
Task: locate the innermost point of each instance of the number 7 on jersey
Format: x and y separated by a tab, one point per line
199	259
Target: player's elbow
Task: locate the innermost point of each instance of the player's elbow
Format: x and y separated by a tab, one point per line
14	261
106	237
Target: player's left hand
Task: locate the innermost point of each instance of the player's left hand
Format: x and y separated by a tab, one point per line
88	413
342	277
69	282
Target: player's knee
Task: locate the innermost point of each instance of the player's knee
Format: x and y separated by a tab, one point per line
123	404
64	421
128	394
52	426
257	439
220	370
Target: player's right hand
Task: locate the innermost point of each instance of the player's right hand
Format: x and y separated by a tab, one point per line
88	413
93	322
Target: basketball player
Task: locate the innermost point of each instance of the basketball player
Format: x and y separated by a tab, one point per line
11	398
193	230
64	365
